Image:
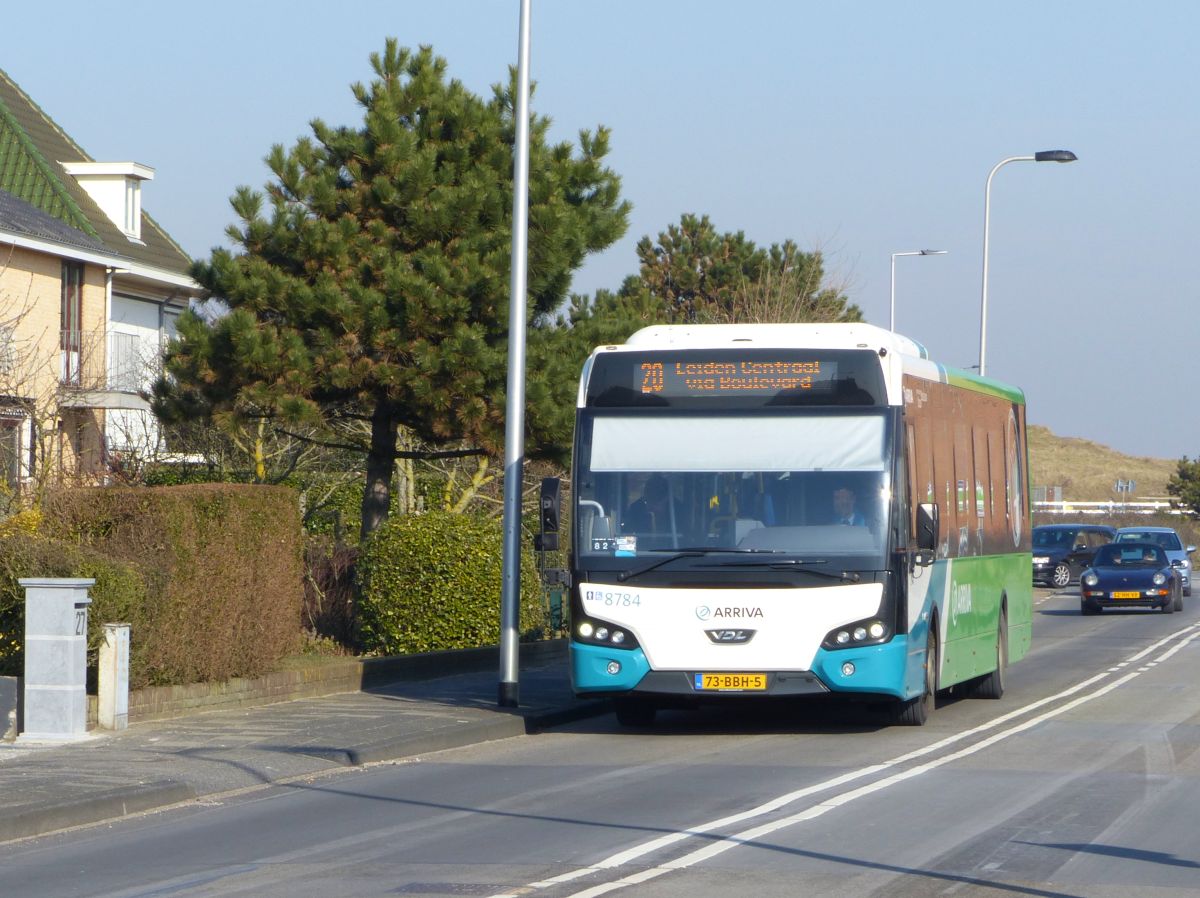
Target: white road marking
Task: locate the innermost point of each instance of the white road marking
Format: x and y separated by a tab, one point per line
725	843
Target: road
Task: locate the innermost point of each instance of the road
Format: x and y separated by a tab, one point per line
1083	781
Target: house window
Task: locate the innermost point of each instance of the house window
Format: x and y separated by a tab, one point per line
10	450
72	321
133	207
8	352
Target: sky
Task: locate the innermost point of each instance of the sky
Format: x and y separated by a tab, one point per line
858	129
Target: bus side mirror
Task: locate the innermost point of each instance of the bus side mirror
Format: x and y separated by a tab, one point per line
927	526
550	502
546	540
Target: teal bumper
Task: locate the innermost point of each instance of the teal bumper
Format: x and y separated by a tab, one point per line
879	669
589	668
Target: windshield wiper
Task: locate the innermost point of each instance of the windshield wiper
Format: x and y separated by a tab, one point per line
692	552
844	576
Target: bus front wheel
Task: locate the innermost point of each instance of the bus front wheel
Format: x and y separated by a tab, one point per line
916	711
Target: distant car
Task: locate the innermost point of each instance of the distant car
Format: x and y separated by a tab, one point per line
1168	540
1062	551
1125	574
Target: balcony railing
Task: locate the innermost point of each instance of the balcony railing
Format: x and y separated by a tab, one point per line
109	360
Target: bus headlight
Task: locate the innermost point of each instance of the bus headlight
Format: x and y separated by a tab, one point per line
594	632
865	632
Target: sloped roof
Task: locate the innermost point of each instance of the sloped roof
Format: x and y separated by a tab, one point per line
21	217
31	147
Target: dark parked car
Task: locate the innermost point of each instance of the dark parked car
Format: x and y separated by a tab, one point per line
1168	540
1062	551
1127	574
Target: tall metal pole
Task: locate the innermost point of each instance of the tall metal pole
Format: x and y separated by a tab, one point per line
987	200
892	306
514	423
916	252
1041	156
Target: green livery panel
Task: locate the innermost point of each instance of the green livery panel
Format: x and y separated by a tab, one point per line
973	592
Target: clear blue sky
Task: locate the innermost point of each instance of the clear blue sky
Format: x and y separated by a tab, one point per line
861	129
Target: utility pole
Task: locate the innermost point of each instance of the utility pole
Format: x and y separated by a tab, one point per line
508	694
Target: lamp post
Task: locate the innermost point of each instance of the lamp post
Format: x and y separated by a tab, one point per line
508	689
915	252
1043	156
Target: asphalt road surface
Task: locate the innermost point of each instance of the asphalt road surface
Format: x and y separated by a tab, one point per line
1083	781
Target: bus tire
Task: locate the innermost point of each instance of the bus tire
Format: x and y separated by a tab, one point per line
991	686
635	713
914	712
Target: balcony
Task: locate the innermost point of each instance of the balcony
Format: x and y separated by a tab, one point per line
108	369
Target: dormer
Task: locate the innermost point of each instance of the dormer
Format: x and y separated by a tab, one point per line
116	187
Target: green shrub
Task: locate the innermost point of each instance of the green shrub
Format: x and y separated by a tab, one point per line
222	567
432	581
118	596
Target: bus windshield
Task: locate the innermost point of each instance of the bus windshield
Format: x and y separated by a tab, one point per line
814	485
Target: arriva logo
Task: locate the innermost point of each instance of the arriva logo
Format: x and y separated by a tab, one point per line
727	611
960	600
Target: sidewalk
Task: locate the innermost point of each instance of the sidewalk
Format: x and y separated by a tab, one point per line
151	765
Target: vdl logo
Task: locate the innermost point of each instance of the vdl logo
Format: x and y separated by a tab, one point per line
730	637
703	612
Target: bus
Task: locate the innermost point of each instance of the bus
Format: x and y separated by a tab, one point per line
769	510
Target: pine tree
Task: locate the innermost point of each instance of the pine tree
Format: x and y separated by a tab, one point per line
702	275
370	283
1184	485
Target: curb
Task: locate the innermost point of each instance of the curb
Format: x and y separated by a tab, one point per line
109	805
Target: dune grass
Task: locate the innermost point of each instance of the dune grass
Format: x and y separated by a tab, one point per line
1087	471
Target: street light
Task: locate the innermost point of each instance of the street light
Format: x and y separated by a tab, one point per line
915	252
1044	156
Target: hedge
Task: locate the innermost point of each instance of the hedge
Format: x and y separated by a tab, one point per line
222	568
119	595
432	581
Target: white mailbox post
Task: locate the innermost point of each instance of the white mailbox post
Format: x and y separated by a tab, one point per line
56	613
113	681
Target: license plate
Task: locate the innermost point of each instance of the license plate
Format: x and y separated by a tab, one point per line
1126	595
731	682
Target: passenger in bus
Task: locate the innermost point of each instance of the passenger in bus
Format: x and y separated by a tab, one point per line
844	511
653	512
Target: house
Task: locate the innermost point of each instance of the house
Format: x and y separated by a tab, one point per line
90	289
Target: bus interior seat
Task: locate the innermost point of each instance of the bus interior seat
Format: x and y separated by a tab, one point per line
742	526
593	524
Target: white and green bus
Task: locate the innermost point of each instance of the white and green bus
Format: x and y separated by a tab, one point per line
793	510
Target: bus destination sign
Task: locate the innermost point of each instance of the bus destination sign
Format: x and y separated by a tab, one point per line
744	377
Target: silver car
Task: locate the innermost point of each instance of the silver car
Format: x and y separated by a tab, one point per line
1170	542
